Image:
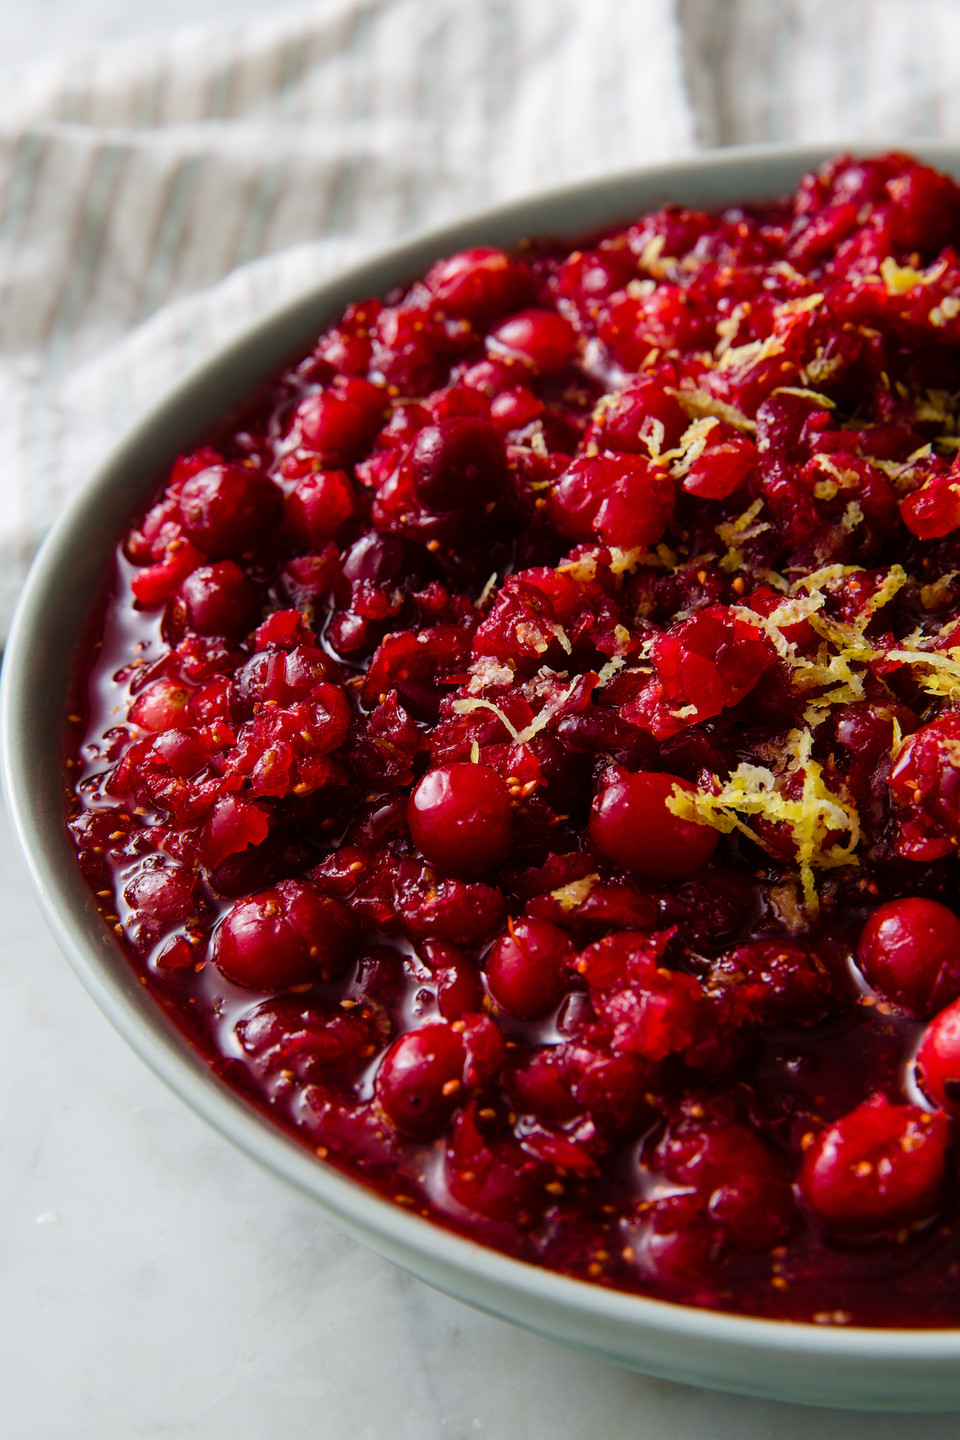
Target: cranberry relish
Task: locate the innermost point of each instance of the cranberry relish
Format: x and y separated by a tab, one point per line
523	757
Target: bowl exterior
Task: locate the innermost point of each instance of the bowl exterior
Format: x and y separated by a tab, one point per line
853	1368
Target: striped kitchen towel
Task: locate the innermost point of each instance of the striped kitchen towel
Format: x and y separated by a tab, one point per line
157	195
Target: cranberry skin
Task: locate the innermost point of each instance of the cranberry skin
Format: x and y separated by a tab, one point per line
525	968
630	824
161	706
164	893
420	1082
675	1242
755	1210
617	498
219	600
318	506
459	817
938	1059
909	952
541	337
458	462
288	935
879	1166
309	1040
478	284
337	426
774	982
181	751
227	509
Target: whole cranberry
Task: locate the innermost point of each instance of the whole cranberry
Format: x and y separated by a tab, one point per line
478	284
541	337
161	705
460	461
525	968
938	1059
181	750
318	506
630	824
879	1166
384	559
420	1082
227	509
288	935
618	498
459	817
340	422
909	951
219	600
163	892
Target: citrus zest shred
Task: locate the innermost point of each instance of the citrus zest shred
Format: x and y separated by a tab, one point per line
812	820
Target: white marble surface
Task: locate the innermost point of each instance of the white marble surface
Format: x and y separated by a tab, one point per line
154	1283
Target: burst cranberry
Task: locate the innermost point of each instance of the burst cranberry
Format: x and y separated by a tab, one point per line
540	337
318	506
459	817
460	461
285	936
219	600
755	1210
773	981
877	1167
420	1082
925	777
525	968
938	1059
478	284
229	509
926	210
934	509
459	990
630	823
910	953
489	1173
641	416
651	1011
158	582
307	1041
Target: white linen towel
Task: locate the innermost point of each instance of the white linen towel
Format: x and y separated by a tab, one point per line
156	195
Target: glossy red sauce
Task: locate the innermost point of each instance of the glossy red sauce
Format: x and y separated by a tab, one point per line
521	752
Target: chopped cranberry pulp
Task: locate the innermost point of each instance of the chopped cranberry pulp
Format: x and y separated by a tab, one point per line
522	750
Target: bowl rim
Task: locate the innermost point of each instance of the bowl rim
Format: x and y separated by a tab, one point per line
417	1244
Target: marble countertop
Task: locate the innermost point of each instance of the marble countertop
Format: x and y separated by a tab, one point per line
155	1283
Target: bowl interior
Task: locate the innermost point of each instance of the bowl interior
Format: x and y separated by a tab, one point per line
863	1368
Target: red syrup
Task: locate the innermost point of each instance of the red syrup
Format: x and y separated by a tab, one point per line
520	753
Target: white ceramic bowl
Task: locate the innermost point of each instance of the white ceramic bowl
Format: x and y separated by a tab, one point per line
857	1368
